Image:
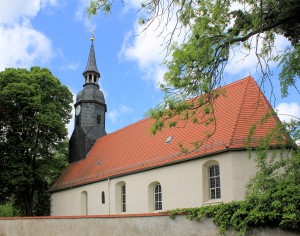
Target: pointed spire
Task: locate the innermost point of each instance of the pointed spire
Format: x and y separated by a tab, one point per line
91	67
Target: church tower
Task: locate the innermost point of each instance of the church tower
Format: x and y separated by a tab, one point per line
90	111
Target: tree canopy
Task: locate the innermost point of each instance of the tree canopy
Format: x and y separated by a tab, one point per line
217	29
34	110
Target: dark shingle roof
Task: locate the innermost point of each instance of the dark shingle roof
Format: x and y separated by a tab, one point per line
91	65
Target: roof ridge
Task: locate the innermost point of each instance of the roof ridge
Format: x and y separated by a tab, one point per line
248	78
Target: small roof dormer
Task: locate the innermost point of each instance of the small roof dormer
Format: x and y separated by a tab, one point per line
91	73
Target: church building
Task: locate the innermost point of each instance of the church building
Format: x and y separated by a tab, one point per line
133	171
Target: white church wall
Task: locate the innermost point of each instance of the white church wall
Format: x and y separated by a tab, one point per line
245	168
183	185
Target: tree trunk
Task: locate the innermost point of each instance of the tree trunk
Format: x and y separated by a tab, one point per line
28	201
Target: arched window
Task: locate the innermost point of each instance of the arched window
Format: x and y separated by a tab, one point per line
157	197
123	198
98	119
77	120
84	203
103	197
120	197
214	182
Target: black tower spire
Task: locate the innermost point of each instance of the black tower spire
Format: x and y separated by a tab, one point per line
91	66
90	111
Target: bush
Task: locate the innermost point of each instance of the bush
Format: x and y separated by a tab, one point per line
7	210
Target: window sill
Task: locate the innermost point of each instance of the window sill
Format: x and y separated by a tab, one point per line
157	211
212	202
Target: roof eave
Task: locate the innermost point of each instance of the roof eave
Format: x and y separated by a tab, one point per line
70	186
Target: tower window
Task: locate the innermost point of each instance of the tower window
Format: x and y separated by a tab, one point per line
98	119
77	120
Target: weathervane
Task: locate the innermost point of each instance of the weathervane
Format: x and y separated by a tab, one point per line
93	35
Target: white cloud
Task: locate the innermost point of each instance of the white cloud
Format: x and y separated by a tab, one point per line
23	46
147	47
114	114
20	44
241	61
136	4
70	66
16	11
81	15
288	111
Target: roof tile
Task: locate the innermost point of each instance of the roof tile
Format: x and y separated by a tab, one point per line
134	148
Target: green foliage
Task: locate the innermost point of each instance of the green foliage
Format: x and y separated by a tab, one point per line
290	62
34	110
182	149
273	194
273	201
215	30
7	210
50	170
141	21
197	66
95	5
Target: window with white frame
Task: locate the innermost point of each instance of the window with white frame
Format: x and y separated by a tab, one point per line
157	197
214	182
123	198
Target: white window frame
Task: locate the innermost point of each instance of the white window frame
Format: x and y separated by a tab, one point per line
123	198
157	197
214	182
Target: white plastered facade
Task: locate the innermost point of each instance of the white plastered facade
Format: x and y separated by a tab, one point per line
183	185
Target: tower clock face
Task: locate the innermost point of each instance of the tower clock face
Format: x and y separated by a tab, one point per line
77	110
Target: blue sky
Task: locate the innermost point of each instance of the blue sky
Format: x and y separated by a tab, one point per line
55	34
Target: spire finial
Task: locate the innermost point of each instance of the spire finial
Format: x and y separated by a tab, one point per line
93	35
91	67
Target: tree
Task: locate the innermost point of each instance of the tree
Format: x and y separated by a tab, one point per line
34	110
217	29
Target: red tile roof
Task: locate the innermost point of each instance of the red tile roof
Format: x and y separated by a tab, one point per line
134	148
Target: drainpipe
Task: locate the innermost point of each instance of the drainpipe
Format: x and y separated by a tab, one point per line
108	183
